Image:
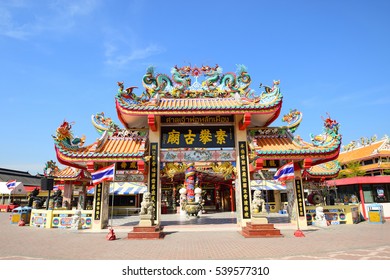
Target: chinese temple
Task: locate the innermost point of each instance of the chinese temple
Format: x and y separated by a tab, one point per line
365	174
200	135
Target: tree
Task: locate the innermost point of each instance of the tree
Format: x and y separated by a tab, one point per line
354	169
386	172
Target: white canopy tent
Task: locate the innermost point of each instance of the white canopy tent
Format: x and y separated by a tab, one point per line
268	185
124	188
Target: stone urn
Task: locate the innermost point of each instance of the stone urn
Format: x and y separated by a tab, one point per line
192	208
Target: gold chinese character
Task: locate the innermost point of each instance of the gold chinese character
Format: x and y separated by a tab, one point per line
205	136
123	165
174	137
190	137
221	135
133	165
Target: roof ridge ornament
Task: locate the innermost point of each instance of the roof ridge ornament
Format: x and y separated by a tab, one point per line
64	135
184	82
329	135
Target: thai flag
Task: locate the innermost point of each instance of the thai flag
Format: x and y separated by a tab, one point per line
284	173
11	184
103	174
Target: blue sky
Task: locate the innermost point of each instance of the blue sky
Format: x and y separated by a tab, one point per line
61	59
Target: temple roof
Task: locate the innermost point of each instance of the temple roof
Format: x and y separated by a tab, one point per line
369	148
218	94
72	174
20	176
279	143
324	170
122	146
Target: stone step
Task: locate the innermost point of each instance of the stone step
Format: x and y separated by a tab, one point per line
259	235
259	226
146	228
260	230
145	235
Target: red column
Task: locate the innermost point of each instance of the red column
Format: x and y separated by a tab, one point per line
361	194
68	194
231	199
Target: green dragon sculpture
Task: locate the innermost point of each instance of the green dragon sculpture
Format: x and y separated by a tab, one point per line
236	83
212	75
181	77
155	84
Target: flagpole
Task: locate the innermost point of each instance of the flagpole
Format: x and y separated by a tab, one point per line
112	199
112	203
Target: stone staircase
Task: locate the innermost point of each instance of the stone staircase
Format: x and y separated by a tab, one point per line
260	231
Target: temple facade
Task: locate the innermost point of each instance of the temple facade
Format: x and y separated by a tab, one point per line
365	174
200	137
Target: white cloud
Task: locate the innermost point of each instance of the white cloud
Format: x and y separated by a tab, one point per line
24	19
74	8
115	58
9	28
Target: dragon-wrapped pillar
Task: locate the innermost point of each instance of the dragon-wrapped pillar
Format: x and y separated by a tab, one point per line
192	207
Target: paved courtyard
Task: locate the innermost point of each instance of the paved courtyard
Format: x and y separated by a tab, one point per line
214	236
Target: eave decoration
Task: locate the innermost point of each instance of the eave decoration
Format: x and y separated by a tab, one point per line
280	143
113	145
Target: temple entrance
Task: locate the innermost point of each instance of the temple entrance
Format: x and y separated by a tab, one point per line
213	183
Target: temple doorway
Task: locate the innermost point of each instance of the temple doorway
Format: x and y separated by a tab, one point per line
214	179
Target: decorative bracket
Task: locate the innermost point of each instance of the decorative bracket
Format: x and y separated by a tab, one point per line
90	166
307	163
152	122
141	166
259	164
246	120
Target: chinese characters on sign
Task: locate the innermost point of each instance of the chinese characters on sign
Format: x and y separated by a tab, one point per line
271	164
126	166
153	175
299	192
197	137
98	201
245	181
